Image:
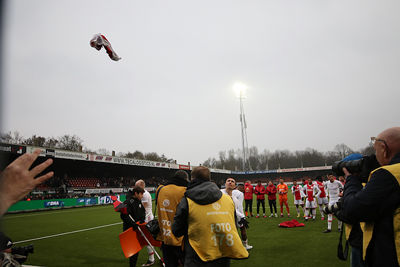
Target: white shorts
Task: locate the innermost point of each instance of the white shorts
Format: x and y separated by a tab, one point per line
149	217
322	200
298	202
333	201
311	204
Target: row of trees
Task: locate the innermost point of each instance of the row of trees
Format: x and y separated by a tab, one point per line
229	160
75	143
281	159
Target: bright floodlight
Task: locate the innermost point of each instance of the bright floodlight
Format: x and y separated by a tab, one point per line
240	89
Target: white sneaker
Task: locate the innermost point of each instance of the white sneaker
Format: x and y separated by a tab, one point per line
272	215
276	215
248	247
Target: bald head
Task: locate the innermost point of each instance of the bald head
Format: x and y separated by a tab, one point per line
387	145
392	138
140	183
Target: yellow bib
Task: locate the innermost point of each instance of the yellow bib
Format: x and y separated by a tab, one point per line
212	230
368	228
168	199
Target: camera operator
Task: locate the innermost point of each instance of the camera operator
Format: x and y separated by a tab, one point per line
168	198
12	256
377	204
206	218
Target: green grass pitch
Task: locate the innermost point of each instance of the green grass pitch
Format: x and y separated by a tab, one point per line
272	246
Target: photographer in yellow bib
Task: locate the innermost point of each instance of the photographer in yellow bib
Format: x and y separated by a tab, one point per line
376	207
206	219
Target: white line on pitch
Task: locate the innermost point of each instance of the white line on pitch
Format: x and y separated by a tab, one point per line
49	212
67	233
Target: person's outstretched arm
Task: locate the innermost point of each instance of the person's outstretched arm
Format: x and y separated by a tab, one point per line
16	181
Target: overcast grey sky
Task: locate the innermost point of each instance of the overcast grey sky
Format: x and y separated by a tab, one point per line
319	73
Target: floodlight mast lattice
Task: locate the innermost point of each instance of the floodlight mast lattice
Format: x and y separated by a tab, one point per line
241	94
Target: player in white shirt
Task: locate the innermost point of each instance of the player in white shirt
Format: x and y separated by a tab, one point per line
148	205
333	188
237	198
311	191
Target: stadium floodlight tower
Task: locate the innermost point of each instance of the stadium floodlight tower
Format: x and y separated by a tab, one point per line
240	90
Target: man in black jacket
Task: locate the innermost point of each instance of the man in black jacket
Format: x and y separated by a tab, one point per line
206	218
134	208
378	202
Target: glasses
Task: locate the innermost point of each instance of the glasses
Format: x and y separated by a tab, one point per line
374	139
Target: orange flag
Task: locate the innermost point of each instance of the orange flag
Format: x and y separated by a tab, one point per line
132	241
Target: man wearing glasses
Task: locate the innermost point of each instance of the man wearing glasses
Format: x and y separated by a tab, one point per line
377	205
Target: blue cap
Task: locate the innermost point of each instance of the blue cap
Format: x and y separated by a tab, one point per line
354	156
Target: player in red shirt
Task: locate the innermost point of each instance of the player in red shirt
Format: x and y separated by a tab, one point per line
305	182
248	198
260	193
271	192
298	194
282	191
311	190
323	198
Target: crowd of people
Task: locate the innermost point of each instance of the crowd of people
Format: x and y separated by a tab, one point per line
64	183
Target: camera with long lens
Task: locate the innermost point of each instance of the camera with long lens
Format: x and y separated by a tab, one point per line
362	167
332	208
20	254
15	256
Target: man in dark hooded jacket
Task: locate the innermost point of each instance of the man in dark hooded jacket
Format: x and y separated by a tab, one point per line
206	219
168	198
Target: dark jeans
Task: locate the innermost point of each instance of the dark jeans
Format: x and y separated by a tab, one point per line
272	203
133	259
248	204
356	257
262	202
172	255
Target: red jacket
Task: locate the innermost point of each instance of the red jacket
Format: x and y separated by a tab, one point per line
260	191
248	191
271	192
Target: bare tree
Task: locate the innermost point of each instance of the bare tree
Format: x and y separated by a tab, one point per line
331	157
210	162
51	142
152	156
343	150
70	142
368	150
35	141
135	155
12	138
264	160
254	158
312	157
